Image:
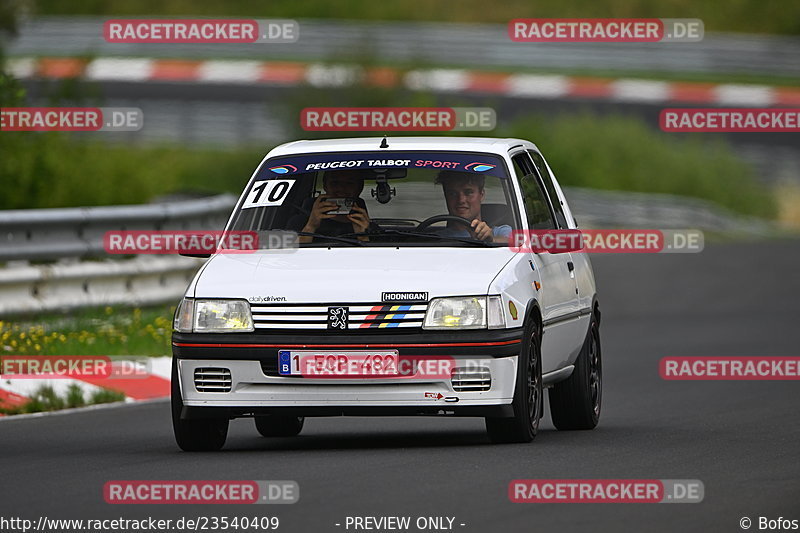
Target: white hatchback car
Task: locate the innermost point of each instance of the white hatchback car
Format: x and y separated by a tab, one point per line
393	291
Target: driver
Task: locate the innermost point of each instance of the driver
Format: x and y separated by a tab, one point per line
464	192
338	184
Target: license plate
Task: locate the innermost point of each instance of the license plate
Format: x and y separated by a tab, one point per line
357	364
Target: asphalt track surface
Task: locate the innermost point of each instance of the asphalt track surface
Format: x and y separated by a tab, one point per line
742	439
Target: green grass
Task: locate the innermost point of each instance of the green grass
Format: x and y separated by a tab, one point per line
749	16
46	399
109	331
101	332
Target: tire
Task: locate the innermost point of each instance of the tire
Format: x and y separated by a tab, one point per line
198	435
279	426
575	402
528	395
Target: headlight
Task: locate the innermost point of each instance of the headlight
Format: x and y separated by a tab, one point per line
220	316
465	312
213	316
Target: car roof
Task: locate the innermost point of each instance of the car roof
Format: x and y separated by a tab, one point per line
371	144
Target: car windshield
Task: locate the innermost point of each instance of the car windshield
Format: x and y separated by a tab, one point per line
382	199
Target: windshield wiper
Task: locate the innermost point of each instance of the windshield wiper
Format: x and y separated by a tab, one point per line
330	237
417	234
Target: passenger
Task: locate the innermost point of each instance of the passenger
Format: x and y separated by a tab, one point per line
338	184
464	192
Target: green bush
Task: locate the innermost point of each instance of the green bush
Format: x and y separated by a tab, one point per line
54	170
623	153
106	396
75	396
44	399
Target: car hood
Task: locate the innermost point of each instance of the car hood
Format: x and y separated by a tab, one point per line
349	274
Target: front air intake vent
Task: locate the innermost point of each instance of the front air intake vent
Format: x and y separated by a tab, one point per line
212	379
471	379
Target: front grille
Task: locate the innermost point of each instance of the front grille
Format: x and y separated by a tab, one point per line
471	379
212	379
362	316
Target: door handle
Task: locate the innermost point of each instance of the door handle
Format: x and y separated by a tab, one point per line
570	266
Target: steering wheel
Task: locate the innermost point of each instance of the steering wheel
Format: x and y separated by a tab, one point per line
441	218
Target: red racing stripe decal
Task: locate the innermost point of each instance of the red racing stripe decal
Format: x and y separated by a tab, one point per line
372	317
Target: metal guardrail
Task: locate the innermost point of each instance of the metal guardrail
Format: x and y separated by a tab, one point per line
69	235
618	209
434	43
36	234
145	280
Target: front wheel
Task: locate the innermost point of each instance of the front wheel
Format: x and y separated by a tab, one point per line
575	402
200	435
527	403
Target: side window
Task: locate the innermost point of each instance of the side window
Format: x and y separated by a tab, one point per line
558	207
536	205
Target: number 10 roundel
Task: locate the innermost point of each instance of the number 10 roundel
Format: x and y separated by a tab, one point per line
268	193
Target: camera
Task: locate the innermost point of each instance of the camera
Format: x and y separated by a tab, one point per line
345	205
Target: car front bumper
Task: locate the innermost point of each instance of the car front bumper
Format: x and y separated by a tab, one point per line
255	388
